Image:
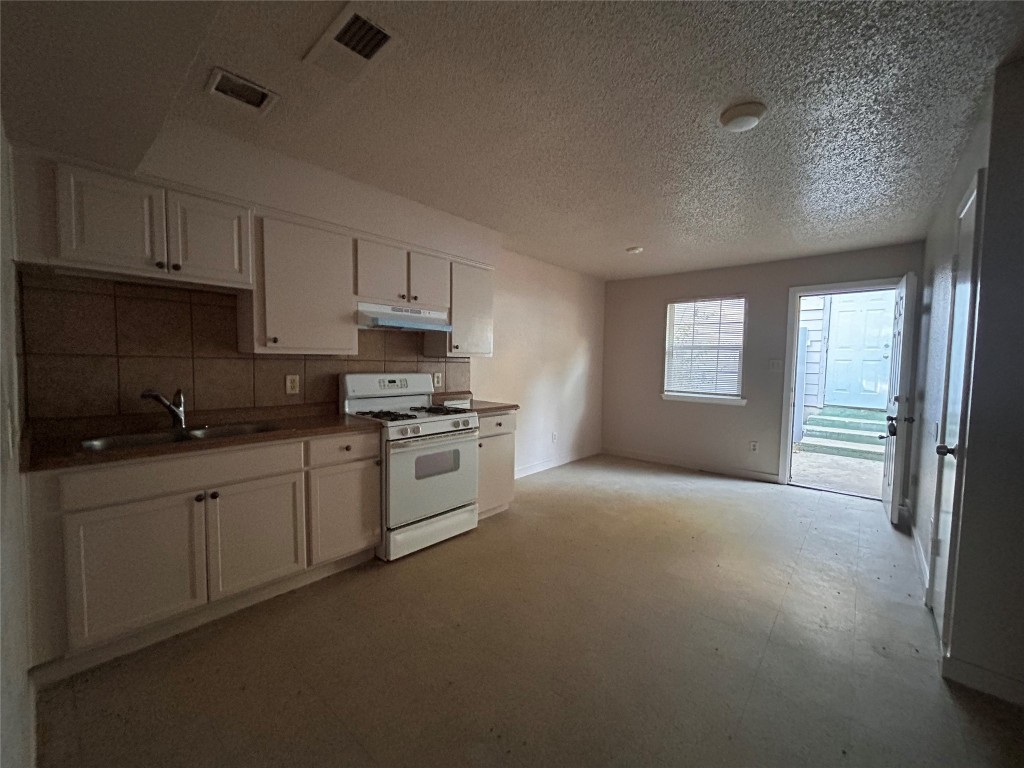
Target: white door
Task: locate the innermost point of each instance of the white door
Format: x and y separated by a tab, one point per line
383	272
472	310
133	564
255	533
899	419
111	223
857	358
430	475
497	471
344	509
307	289
209	241
430	281
951	448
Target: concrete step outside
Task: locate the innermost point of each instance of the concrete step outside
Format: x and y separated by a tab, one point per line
842	448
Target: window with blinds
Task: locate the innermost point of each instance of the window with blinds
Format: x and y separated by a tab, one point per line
704	347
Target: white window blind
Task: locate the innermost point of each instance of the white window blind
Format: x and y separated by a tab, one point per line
704	347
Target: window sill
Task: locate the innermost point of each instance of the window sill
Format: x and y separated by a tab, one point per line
707	399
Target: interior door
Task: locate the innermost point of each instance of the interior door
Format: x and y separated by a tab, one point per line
951	450
899	416
857	359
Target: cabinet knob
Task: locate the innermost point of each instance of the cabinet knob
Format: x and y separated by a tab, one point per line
215	495
160	265
456	346
401	295
480	444
499	423
200	496
415	298
377	462
273	339
176	267
348	447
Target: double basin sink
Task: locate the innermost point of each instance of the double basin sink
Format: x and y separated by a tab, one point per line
121	442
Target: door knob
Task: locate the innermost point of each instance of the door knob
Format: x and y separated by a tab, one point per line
946	450
890	419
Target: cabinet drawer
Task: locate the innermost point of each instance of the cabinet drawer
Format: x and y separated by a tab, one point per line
342	448
499	424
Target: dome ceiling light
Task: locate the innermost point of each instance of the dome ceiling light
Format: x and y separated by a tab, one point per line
742	117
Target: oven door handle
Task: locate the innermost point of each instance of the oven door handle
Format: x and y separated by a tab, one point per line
431	441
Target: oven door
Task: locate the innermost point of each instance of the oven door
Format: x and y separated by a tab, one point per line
430	475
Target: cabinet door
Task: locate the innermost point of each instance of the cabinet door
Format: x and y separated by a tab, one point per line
344	509
209	241
111	223
472	310
306	285
383	272
256	532
133	564
497	472
430	282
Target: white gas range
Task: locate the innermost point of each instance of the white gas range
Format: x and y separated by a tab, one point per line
431	459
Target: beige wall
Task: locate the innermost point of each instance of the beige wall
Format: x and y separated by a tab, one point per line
16	698
548	321
987	632
637	422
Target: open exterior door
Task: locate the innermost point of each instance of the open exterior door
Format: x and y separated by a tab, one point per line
899	416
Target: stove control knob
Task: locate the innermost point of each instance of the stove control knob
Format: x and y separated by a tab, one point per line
415	430
403	431
455	423
465	422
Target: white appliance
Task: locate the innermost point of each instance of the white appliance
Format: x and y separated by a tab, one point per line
402	318
431	458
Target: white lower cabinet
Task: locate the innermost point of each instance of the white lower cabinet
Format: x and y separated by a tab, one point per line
497	472
134	564
255	533
344	509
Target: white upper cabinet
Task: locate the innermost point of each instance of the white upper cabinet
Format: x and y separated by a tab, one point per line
472	310
209	241
391	275
303	300
430	281
383	273
111	223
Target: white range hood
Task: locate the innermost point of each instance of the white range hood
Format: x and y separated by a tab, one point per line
401	318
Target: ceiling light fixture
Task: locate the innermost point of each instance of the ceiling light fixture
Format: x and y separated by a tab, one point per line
635	249
742	117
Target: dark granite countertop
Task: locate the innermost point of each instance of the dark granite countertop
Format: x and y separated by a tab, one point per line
38	455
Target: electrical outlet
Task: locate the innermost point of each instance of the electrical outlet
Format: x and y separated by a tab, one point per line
438	379
554	437
291	384
753	446
775	366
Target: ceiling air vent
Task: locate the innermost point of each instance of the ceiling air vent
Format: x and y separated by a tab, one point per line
362	36
240	90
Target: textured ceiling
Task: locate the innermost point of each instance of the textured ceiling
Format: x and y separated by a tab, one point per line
578	129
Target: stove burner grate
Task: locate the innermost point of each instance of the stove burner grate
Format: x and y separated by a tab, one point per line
443	410
386	415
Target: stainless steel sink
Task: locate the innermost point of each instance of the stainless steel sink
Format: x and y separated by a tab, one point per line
232	430
116	442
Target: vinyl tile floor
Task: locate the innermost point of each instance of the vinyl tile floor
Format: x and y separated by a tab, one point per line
620	613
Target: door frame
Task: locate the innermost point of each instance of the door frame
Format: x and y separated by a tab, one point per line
789	366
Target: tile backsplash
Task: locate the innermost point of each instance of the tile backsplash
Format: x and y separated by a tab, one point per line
90	346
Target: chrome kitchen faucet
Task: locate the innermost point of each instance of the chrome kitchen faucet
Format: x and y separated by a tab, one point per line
175	408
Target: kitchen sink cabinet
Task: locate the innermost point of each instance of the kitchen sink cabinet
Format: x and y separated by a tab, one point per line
209	241
497	463
131	565
390	274
111	224
472	314
303	300
344	509
255	533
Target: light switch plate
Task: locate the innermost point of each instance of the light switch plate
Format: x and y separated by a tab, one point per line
291	384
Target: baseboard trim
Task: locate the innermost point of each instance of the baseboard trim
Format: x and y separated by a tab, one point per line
743	474
984	680
923	567
58	669
540	466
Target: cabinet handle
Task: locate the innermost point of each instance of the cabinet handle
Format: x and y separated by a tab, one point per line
176	267
456	346
273	339
377	462
401	295
348	447
160	265
481	445
499	423
215	495
415	298
200	497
